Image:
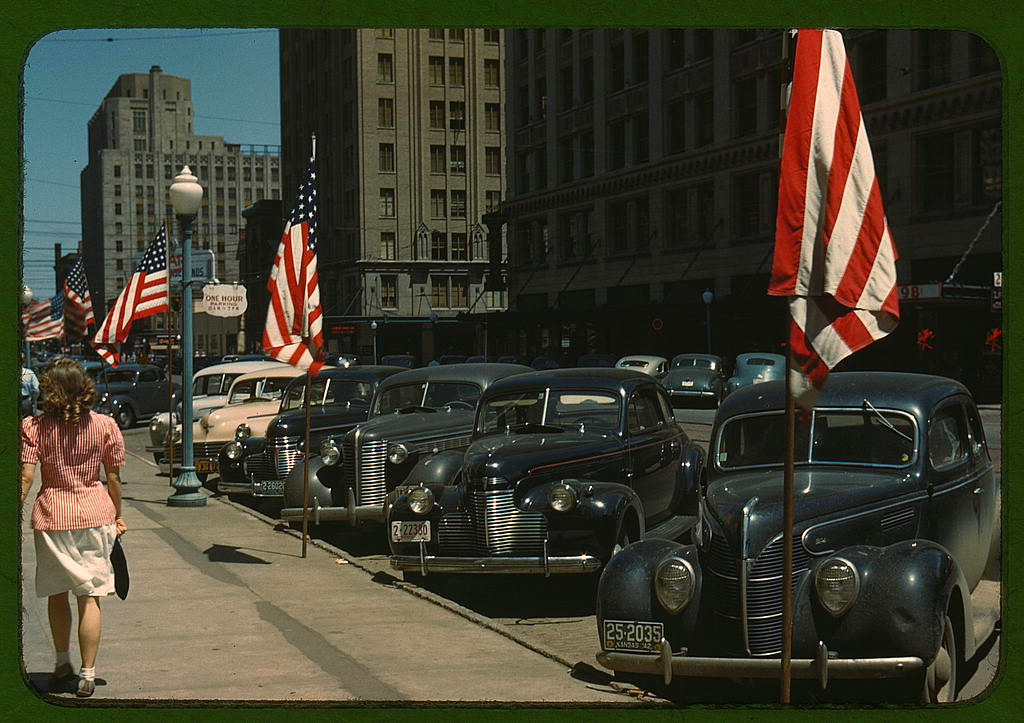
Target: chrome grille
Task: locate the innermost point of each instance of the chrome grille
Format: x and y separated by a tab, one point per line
348	459
200	450
370	489
764	590
258	466
283	453
493	525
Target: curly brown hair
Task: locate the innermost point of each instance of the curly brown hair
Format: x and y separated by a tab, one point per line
66	391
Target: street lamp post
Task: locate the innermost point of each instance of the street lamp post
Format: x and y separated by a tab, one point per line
186	194
373	327
708	296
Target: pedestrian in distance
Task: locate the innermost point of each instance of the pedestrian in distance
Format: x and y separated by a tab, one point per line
75	518
29	389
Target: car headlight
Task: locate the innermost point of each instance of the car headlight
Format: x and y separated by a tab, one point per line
674	581
397	453
233	450
329	452
156	426
421	500
561	497
837	583
243	431
176	435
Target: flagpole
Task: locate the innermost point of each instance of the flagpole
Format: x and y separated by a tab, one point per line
305	449
170	368
787	475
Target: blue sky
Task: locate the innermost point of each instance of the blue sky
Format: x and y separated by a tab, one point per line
234	75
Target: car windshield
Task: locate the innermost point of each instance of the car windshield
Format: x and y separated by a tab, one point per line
837	436
116	376
564	408
435	395
324	391
690	361
269	388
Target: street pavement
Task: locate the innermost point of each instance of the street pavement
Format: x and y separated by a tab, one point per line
222	607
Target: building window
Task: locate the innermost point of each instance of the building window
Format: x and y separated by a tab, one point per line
704	118
460	247
117	171
493	201
388	246
675	127
438	161
387	158
587	154
438	246
742	37
492	116
437	114
640	54
934	58
386	112
538	40
458	159
457	115
460	292
745	105
118	245
389	292
139	121
567	100
119	227
456	71
566	160
140	144
587	79
641	138
492	160
458	209
618	225
387	202
541	96
492	35
119	264
523	171
616	145
616	67
541	159
138	170
748	205
523	105
117	190
436	33
218	173
117	209
937	172
436	67
492	73
385	68
982	57
232	173
439	292
457	34
871	68
385	32
438	203
259	174
674	40
703	44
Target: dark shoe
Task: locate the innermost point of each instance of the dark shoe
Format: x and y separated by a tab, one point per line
60	681
85	688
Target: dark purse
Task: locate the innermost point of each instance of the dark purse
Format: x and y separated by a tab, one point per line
120	565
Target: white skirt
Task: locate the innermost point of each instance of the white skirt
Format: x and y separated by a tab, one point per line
75	560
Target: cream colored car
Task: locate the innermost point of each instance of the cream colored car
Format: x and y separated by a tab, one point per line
254	399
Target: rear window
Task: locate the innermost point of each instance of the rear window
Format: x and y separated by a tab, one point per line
632	363
758	362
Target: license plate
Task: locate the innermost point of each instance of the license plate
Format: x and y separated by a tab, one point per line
632	635
206	465
686	383
410	531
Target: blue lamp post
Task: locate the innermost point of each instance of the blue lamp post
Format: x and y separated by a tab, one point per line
186	195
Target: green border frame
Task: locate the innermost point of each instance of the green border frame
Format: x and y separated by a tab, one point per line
997	21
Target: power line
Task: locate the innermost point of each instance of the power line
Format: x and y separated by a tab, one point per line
210	117
41	220
157	37
52	183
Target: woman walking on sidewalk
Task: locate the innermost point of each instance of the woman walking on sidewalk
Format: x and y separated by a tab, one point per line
75	518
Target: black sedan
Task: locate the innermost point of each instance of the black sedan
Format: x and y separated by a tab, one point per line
339	400
695	378
894	511
566	468
131	392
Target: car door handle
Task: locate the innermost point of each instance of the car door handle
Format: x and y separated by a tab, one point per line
979	491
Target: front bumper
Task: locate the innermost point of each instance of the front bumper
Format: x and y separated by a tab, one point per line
352	513
821	667
691	393
544	565
254	487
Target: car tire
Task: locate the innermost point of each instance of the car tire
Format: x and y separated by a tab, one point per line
125	417
938	682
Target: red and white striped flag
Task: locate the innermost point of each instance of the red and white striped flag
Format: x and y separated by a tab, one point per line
834	257
294	329
44	320
145	294
78	315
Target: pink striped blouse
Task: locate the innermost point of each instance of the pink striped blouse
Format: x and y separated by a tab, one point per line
72	496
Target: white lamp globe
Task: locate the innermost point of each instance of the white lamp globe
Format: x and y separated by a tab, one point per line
186	193
26	295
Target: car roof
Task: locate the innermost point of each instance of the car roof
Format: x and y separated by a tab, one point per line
368	372
688	355
279	370
894	390
571	377
136	367
237	367
642	357
759	354
480	374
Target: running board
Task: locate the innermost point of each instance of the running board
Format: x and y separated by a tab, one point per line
671	529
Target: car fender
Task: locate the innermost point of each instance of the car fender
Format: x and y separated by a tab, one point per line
905	591
433	470
603	505
688	479
626	590
316	489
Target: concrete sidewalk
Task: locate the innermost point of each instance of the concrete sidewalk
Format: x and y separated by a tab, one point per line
222	607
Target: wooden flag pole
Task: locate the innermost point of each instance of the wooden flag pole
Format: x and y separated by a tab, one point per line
305	469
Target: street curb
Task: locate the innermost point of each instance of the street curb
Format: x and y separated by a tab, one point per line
401	584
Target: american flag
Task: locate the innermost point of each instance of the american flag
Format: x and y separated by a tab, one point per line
145	294
44	320
78	312
294	329
834	257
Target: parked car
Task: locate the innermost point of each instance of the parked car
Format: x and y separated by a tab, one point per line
131	392
565	469
755	368
341	360
695	377
244	357
210	388
541	363
894	511
415	415
514	359
656	366
596	360
339	400
399	360
451	359
254	398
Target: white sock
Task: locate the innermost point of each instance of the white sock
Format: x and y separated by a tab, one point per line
63	658
87	673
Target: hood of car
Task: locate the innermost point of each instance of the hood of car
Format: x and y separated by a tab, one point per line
698	376
513	456
818	495
400	427
322	419
219	425
113	389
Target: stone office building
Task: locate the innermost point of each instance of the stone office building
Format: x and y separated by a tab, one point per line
139	138
410	154
644	171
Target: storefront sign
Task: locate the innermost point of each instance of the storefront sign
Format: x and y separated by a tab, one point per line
224	299
913	292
